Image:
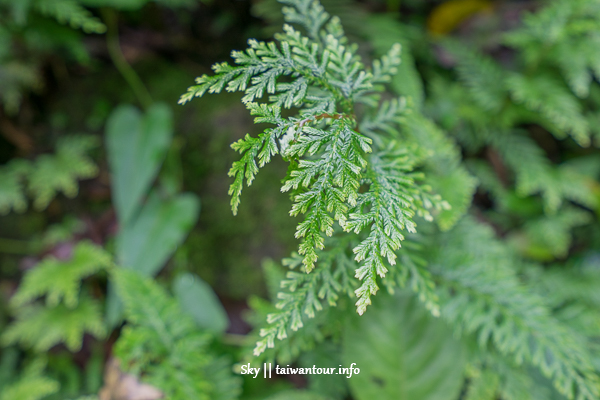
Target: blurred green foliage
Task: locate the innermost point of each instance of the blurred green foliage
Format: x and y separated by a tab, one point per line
123	270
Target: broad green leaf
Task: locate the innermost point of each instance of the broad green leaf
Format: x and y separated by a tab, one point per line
137	145
403	353
148	241
197	299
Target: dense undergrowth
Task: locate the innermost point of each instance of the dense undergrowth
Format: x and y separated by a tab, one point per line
428	177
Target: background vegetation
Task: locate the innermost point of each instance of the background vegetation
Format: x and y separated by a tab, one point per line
123	272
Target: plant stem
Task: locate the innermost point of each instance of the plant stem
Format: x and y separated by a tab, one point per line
118	59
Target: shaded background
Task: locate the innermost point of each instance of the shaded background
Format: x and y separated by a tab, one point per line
58	80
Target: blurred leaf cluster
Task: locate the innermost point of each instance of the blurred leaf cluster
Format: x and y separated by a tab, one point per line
439	158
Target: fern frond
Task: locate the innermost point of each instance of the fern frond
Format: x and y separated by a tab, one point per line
442	168
263	148
296	343
310	14
44	327
262	64
513	382
551	235
456	187
385	69
572	291
442	152
60	280
32	385
483	386
535	174
328	145
59	172
164	345
328	184
47	175
492	304
12	194
561	35
386	119
345	70
387	208
72	13
303	294
548	96
483	78
565	285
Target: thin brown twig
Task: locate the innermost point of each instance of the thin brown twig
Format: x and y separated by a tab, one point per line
15	136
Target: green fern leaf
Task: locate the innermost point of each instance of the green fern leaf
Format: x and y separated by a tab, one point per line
60	280
308	13
483	78
72	13
162	343
12	194
545	94
333	149
387	208
328	184
550	236
263	148
490	303
456	188
535	174
31	385
51	174
483	386
43	327
403	353
303	295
